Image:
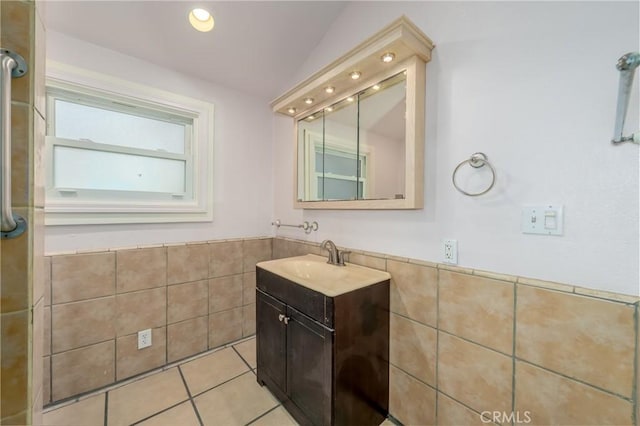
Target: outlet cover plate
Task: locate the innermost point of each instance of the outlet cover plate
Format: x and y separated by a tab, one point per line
450	251
144	338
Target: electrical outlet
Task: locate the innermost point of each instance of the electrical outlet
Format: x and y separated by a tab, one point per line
144	338
450	251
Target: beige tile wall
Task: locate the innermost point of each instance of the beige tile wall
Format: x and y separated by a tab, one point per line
466	342
194	297
21	281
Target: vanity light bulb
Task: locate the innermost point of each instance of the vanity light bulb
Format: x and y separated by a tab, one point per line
329	89
291	110
308	101
355	75
388	57
376	87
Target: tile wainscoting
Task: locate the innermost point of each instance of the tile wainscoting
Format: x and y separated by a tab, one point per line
464	343
193	297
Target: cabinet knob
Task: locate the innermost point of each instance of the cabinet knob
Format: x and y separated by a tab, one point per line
281	317
286	320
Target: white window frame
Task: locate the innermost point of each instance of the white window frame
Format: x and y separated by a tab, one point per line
313	140
70	206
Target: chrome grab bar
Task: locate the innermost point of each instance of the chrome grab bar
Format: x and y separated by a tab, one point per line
11	65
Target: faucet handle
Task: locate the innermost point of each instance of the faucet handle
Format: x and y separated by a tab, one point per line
343	256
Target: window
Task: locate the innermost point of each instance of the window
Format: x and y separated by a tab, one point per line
334	169
115	158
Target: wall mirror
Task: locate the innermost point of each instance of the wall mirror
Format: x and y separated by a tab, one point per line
354	149
359	125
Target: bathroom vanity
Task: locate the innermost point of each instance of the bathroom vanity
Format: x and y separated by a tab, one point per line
323	339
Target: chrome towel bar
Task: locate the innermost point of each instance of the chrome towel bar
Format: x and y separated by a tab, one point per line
308	227
11	65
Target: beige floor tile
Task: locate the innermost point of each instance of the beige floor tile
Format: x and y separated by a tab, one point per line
87	412
208	371
234	403
277	417
183	415
247	350
145	397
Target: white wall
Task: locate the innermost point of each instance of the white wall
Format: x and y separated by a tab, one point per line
242	156
532	85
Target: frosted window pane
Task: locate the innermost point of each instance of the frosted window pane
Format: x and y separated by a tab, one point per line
89	169
338	189
75	121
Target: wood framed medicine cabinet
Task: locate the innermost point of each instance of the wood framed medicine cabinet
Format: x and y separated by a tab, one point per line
359	125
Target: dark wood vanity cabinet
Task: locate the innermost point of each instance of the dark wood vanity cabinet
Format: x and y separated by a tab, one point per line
325	358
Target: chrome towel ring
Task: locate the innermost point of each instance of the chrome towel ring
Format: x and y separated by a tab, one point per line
477	160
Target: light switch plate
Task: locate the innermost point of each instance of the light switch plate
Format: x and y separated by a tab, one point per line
543	219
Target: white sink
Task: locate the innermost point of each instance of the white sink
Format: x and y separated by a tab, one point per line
314	272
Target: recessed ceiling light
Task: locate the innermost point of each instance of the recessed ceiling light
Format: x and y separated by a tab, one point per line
388	57
355	75
329	89
308	101
291	110
376	87
350	99
311	117
328	109
201	20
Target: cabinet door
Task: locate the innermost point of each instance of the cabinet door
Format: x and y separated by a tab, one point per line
309	366
271	340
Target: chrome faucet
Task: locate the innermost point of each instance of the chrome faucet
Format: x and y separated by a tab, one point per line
336	257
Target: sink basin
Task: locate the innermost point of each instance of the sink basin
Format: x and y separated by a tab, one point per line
314	272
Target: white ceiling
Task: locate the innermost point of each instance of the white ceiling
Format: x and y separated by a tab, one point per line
256	47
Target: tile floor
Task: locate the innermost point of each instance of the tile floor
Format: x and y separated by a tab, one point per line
217	388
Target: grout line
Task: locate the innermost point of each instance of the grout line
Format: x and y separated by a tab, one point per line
469	408
193	404
634	391
414	377
394	420
437	340
475	343
513	350
166	308
222	383
264	414
241	357
118	384
574	379
414	320
164	410
106	408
